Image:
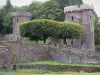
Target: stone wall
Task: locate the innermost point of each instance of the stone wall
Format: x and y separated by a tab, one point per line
28	52
5	58
73	55
18	53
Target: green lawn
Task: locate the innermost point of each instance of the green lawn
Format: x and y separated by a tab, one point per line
57	63
59	74
37	72
42	72
33	42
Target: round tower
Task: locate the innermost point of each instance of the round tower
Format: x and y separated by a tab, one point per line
19	17
82	14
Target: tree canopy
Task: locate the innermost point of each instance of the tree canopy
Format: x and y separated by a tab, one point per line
6	18
97	29
51	9
44	28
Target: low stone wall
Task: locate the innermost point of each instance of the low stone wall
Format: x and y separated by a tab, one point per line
5	58
28	52
73	55
19	53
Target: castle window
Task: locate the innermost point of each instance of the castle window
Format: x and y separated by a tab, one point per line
82	41
90	16
17	21
72	18
72	42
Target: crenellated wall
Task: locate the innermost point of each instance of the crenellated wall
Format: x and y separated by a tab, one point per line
19	17
82	14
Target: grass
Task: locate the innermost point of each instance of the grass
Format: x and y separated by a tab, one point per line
33	42
58	63
0	73
40	72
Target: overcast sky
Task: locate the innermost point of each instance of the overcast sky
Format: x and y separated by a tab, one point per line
96	3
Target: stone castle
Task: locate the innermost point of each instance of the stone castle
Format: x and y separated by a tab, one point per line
82	14
19	17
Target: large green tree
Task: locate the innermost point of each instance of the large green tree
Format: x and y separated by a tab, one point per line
8	7
22	8
7	23
39	29
53	9
1	21
75	2
43	28
97	29
50	10
35	9
6	18
63	3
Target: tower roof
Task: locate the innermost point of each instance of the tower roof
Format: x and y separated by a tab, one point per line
78	8
23	13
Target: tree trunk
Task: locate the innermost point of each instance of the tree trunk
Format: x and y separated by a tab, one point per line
64	41
44	39
36	41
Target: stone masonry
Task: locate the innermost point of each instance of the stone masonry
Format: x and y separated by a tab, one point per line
19	17
82	14
13	52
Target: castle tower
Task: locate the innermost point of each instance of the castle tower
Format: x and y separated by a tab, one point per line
82	14
19	17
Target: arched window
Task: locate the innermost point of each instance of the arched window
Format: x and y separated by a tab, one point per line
90	16
71	42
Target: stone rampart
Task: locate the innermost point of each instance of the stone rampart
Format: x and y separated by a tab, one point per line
19	53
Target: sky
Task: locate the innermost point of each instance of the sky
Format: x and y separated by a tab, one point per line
96	3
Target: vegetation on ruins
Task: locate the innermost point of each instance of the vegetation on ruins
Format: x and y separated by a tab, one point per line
44	28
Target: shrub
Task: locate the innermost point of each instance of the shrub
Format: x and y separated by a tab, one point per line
44	28
25	29
70	30
97	47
